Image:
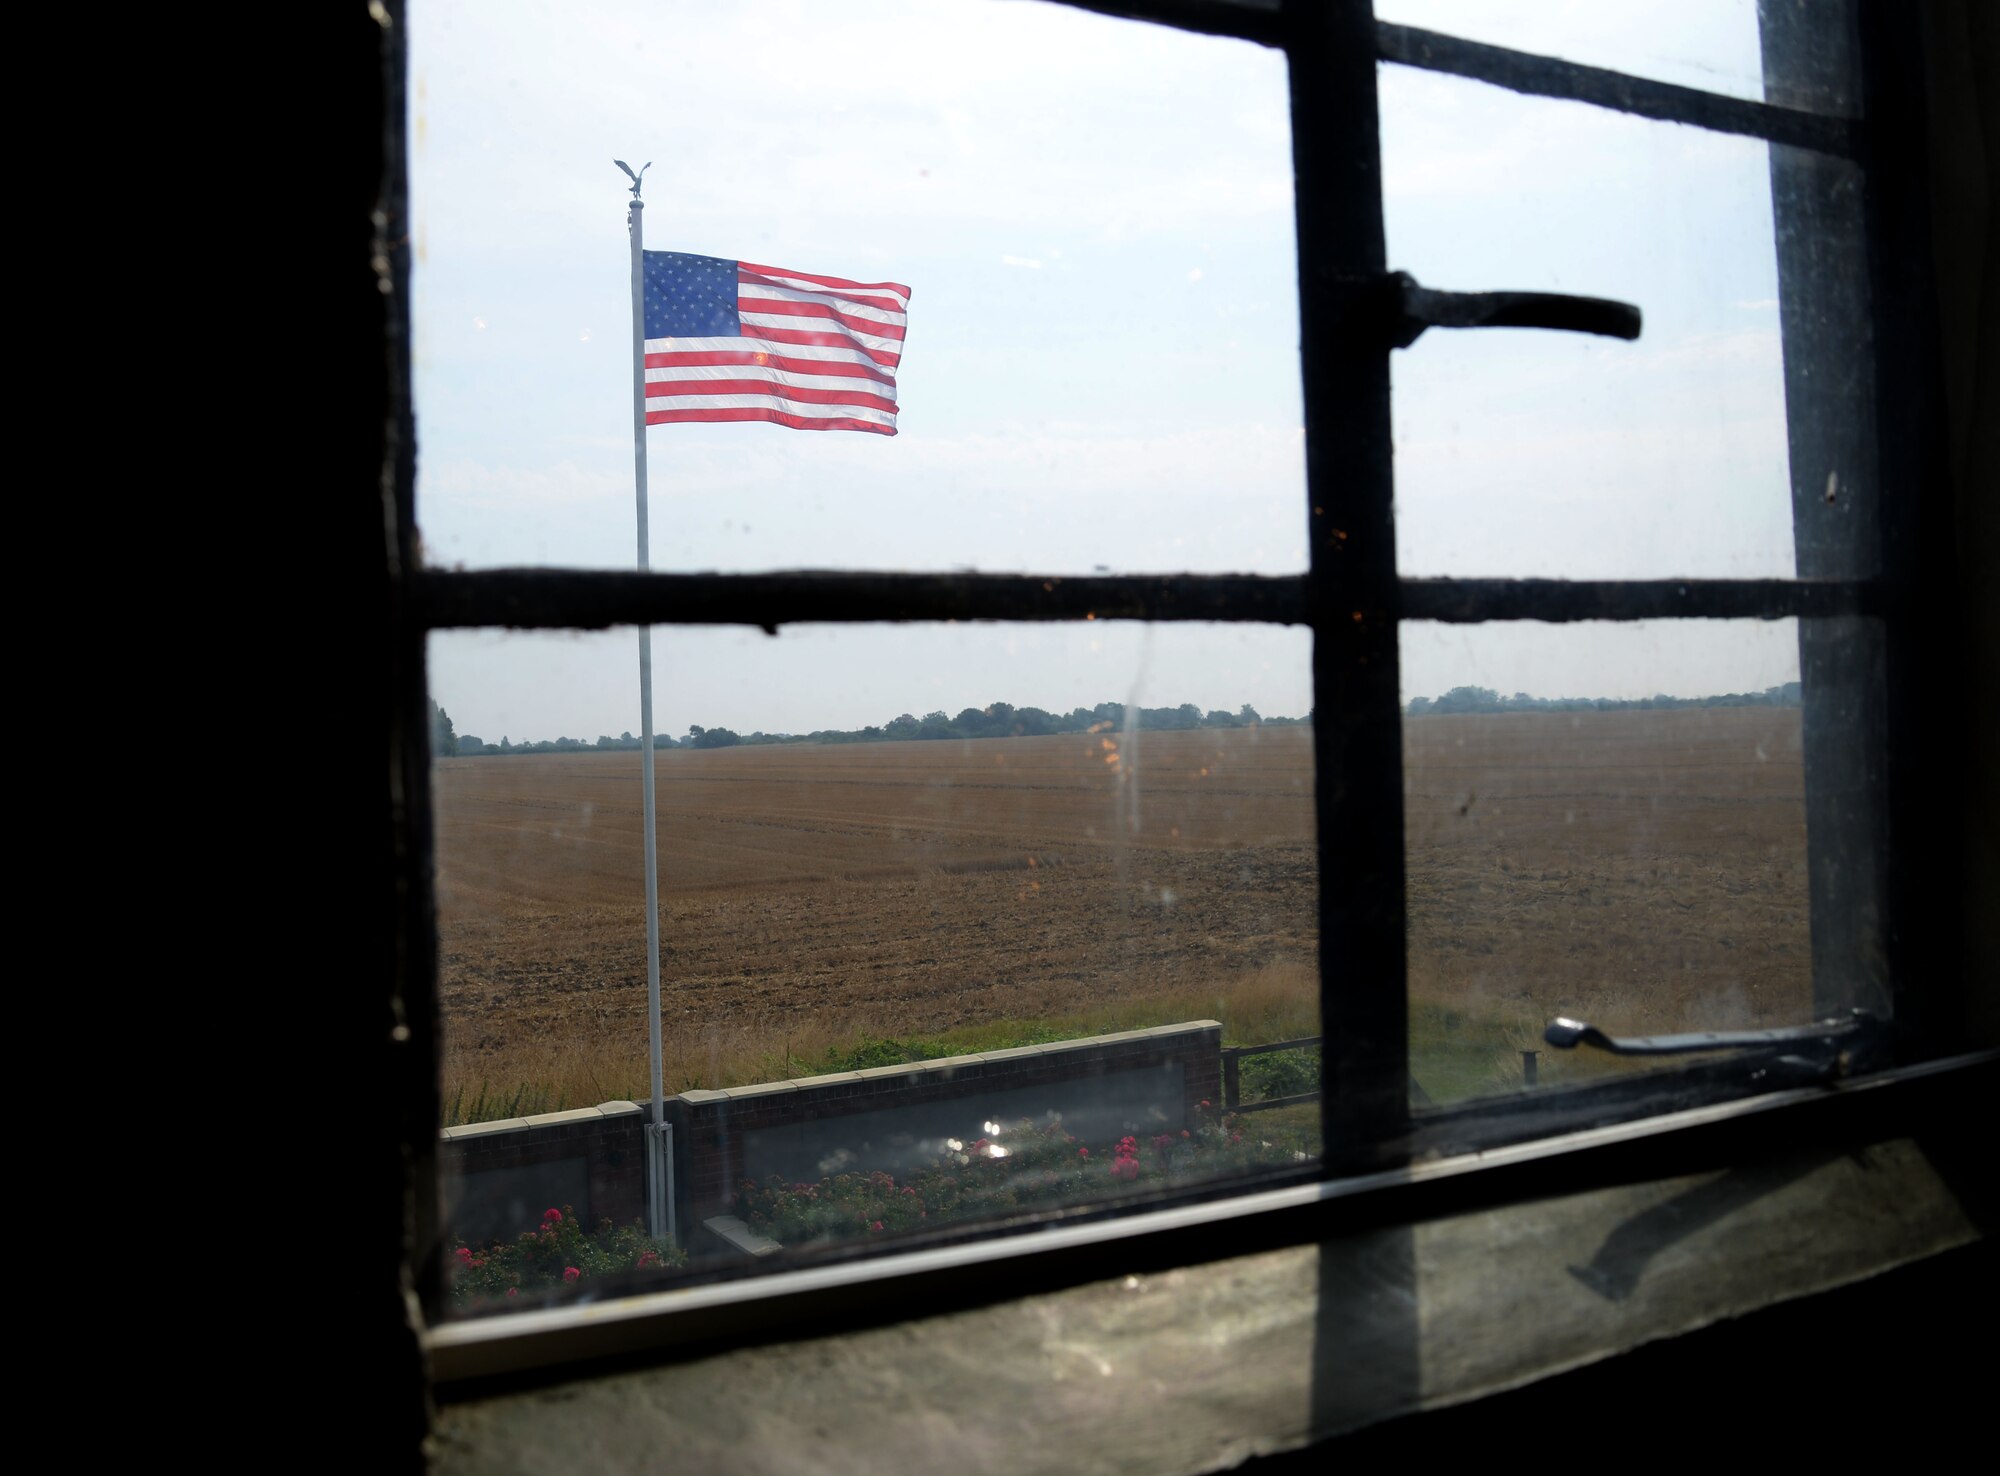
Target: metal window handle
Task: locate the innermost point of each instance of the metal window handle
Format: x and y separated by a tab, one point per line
1567	1034
1419	308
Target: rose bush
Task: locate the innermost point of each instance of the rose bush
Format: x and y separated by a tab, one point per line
557	1252
1032	1166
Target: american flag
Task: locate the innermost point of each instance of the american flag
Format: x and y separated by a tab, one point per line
728	340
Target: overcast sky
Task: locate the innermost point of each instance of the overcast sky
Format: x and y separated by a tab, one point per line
1101	372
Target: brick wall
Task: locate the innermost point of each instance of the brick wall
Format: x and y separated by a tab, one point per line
498	1177
718	1135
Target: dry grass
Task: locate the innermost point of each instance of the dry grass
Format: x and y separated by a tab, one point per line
550	1073
1644	869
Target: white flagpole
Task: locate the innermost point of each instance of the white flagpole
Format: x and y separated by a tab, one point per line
659	1196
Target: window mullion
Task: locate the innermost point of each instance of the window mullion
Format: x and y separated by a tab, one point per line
1351	587
591	600
1470	601
1548	76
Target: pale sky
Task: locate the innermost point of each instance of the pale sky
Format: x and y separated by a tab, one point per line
1101	371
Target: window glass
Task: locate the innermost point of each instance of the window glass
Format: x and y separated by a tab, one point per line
1094	220
964	923
957	922
1529	453
1609	822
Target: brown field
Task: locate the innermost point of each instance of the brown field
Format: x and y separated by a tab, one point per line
1647	867
1645	870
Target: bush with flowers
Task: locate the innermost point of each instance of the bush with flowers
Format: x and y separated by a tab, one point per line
1032	1166
557	1252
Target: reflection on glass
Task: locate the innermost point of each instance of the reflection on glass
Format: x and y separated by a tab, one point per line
928	957
1094	218
1606	822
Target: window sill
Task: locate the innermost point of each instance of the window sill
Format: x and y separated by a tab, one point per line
1600	1242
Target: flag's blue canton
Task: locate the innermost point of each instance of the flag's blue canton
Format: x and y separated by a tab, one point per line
690	296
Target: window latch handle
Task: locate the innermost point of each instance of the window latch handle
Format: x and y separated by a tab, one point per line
1419	308
1832	1035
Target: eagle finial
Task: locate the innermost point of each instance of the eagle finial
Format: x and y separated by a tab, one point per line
637	179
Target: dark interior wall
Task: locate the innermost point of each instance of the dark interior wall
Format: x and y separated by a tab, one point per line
1963	57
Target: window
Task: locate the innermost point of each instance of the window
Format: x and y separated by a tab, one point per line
1370	597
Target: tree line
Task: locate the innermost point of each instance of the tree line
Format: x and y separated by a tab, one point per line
1004	720
1485	699
1000	720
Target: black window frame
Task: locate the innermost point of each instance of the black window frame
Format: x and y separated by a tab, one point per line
1353	599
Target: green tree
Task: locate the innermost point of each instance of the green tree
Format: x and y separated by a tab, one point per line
443	740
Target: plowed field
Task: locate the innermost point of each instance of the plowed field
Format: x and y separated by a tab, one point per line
1648	863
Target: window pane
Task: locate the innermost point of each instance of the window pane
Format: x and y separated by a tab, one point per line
1714	45
1529	453
1100	369
1609	821
977	892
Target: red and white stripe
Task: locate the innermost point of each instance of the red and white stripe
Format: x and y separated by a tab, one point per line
817	353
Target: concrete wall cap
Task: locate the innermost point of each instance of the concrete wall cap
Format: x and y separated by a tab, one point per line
909	1068
806	1082
759	1089
575	1114
1191	1031
485	1129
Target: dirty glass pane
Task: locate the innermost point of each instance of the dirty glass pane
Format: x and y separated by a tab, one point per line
1610	822
1532	453
1093	219
957	923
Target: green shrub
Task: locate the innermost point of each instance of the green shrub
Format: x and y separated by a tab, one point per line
558	1252
1279	1074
